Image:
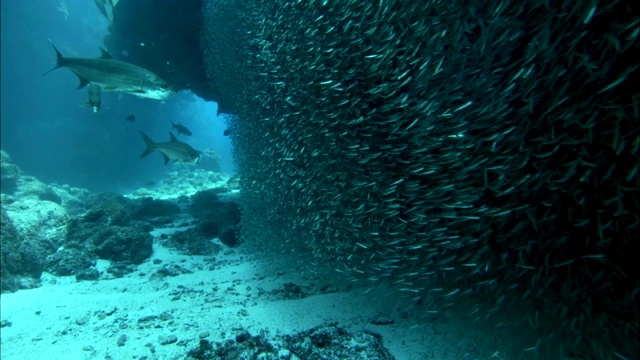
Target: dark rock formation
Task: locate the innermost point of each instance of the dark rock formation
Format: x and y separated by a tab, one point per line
155	211
22	260
230	237
192	242
69	262
30	187
88	274
167	42
93	235
9	174
215	216
124	244
120	269
109	209
322	342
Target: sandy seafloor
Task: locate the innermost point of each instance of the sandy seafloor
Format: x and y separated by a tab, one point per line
222	296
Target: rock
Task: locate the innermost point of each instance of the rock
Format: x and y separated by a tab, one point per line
23	257
209	228
322	342
8	253
110	209
382	320
192	242
83	320
122	244
75	200
69	262
78	232
331	341
243	336
119	269
122	340
39	220
171	270
149	209
229	237
88	274
166	340
9	174
147	318
292	291
204	202
31	188
91	233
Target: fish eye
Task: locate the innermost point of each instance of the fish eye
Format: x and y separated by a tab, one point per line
164	86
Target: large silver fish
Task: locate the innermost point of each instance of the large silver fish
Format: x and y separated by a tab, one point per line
172	150
115	75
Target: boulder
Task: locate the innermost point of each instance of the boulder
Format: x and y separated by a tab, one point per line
31	188
9	174
68	262
22	259
38	220
122	244
110	209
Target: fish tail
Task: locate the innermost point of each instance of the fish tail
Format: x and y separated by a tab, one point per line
59	60
151	146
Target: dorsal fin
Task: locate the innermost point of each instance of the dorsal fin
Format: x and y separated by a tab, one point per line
105	54
173	138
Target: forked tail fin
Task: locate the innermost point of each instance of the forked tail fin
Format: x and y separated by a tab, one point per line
151	146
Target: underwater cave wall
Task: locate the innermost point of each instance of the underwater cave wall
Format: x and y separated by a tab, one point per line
484	149
164	37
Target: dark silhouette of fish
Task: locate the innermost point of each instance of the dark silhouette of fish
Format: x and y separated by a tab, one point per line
131	118
181	129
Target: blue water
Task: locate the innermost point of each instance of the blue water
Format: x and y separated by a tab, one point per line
48	133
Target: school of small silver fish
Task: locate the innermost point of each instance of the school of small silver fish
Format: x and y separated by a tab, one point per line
455	150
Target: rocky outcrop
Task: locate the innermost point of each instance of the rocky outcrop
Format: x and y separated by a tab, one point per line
9	174
23	258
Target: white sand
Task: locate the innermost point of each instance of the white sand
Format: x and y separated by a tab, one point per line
65	319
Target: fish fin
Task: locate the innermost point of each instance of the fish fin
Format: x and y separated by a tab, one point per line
60	60
105	54
173	138
151	146
83	82
166	159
